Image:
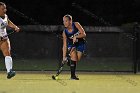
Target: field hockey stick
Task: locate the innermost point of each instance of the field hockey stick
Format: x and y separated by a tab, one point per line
63	63
7	35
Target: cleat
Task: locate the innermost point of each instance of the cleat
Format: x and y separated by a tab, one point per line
11	74
74	78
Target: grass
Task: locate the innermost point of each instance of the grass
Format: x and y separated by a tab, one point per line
87	64
41	82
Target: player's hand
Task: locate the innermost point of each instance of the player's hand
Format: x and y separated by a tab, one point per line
17	29
74	39
65	60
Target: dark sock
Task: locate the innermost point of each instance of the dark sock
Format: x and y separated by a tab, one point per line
73	68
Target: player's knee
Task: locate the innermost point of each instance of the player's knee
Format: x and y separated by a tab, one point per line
74	58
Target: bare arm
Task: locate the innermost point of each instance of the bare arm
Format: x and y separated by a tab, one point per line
64	45
12	25
81	30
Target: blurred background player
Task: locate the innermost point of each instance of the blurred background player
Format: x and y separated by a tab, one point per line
4	41
73	34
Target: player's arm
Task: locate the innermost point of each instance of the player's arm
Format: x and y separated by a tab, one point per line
12	25
81	30
64	45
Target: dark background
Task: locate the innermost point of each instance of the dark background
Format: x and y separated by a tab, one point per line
117	12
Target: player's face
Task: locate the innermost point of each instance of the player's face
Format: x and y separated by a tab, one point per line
3	10
66	22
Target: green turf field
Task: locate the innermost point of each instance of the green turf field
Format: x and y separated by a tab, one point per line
88	64
41	82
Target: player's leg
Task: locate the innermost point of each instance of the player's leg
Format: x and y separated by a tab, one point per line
79	55
5	47
80	50
74	59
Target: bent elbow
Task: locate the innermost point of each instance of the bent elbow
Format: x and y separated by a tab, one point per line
85	35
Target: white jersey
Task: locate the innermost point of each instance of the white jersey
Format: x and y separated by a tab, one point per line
3	25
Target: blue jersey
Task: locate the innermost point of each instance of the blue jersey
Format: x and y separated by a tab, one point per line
70	36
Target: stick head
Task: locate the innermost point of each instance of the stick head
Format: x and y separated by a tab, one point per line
53	77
